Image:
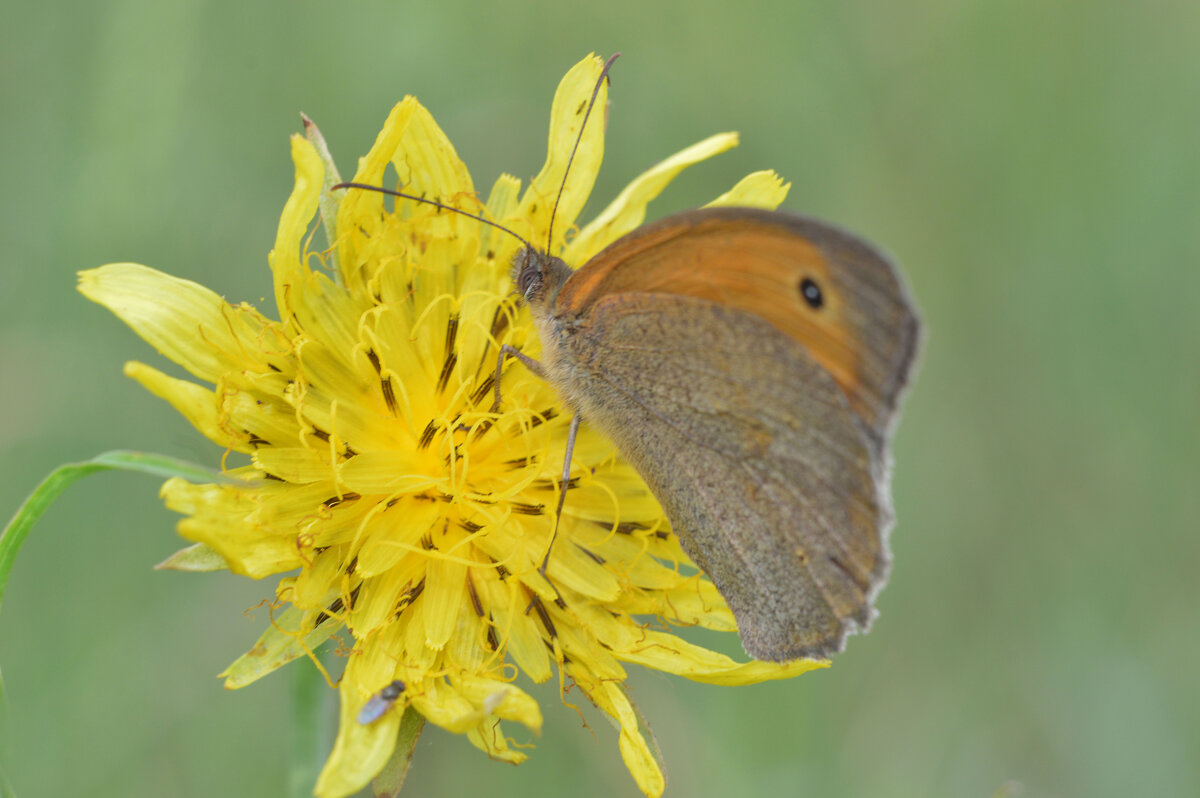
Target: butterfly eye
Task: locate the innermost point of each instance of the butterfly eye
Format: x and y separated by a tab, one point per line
529	279
528	273
811	293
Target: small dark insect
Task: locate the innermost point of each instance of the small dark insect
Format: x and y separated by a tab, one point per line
380	703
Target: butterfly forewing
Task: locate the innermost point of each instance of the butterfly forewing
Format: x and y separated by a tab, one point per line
828	290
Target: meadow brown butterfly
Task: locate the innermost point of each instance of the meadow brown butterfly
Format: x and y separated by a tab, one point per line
749	364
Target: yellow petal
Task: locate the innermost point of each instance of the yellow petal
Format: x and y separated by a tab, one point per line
566	115
517	631
628	210
194	402
446	706
360	751
639	758
445	594
501	699
501	204
388	471
674	655
764	189
228	519
295	464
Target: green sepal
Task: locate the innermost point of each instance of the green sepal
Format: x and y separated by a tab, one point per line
389	781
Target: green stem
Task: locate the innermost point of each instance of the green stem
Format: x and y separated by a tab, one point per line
309	728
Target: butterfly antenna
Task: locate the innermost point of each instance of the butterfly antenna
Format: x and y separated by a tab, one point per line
434	203
562	186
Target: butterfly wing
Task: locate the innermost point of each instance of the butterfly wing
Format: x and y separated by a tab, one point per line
826	289
753	451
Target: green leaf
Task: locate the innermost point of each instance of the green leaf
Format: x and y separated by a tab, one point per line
64	476
389	781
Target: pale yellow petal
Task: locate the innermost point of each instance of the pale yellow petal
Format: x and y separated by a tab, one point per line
316	586
489	738
183	320
255	556
286	259
197	558
428	166
359	213
571	567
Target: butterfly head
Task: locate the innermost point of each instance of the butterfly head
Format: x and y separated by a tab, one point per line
538	276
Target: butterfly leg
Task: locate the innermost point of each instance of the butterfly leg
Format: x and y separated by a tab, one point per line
529	362
572	431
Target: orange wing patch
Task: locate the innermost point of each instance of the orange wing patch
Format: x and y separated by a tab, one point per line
734	260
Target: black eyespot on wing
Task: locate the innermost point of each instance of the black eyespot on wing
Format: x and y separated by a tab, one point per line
811	293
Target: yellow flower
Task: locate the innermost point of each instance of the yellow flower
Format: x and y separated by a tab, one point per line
404	511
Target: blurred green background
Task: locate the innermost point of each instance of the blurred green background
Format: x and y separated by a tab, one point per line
1033	164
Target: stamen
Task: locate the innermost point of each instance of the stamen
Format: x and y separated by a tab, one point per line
542	417
447	370
483	392
475	602
334	501
451	333
427	435
536	605
389	395
374	358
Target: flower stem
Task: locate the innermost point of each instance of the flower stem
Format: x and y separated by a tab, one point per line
65	475
309	728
